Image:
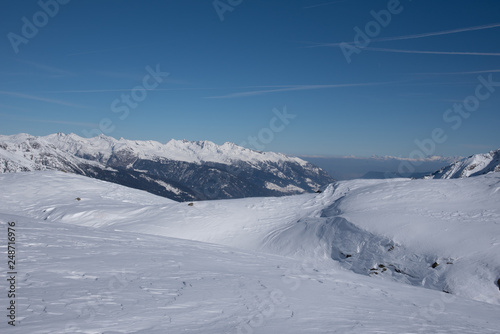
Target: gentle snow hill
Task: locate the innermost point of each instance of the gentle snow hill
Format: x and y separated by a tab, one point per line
474	165
179	170
74	279
388	229
243	223
112	275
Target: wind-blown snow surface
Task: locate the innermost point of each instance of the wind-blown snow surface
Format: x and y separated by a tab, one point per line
120	260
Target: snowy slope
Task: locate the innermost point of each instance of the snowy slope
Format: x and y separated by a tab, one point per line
95	257
82	280
403	225
474	165
22	152
180	170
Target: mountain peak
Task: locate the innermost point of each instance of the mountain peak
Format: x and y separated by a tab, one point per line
178	169
477	164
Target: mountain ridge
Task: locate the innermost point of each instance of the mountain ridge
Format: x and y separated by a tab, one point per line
179	169
474	165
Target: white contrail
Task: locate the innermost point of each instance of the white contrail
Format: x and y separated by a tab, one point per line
325	4
295	88
42	99
434	52
414	36
456	73
438	33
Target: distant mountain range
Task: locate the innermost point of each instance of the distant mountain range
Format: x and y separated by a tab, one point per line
474	165
180	170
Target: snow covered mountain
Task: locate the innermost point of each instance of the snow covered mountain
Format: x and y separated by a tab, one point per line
364	256
474	165
180	170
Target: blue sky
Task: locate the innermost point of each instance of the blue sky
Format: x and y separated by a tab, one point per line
234	68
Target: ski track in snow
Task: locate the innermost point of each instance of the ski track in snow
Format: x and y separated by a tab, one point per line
120	260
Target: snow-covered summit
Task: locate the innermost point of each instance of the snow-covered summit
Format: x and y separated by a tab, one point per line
474	165
179	169
179	150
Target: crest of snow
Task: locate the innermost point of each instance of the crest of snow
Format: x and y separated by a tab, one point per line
474	165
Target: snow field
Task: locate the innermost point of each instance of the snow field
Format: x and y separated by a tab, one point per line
120	260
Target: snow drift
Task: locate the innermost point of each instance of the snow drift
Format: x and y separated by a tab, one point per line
372	256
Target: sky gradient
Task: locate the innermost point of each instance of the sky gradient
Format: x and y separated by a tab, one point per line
310	77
